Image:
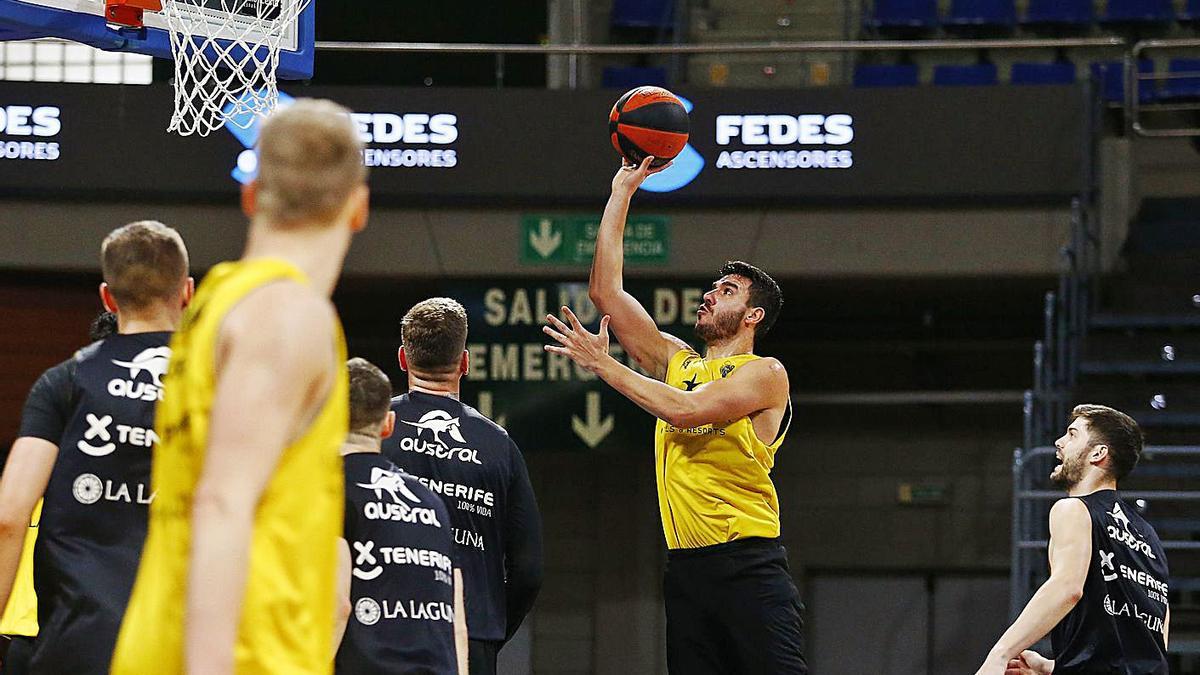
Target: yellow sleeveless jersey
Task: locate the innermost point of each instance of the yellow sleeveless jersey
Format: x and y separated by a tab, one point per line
20	616
714	482
287	612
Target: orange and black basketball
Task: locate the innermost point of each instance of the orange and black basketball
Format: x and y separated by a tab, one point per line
648	121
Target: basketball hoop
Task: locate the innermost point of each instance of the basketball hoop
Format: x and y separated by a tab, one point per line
129	13
226	55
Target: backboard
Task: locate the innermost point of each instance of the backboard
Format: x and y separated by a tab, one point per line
83	21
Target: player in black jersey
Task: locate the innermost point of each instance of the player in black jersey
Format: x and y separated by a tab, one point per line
1105	603
401	594
479	472
85	445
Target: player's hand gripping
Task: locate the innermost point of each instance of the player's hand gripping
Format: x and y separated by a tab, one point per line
630	176
589	350
1030	663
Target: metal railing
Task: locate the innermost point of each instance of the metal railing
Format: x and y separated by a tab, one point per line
720	48
500	51
1177	108
1135	108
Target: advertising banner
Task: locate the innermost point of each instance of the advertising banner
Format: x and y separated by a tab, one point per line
434	146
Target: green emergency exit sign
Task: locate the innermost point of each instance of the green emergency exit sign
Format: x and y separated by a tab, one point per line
571	240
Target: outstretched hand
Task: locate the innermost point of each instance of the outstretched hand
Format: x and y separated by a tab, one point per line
631	176
585	348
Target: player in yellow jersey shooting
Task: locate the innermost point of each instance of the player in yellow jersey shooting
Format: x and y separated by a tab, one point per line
731	604
238	572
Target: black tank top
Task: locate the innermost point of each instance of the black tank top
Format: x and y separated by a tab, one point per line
402	577
96	504
1117	626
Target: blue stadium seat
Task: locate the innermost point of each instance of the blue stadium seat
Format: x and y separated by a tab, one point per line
643	14
886	75
1185	82
982	13
1110	77
974	75
1191	11
1139	11
628	77
904	14
1060	12
1059	72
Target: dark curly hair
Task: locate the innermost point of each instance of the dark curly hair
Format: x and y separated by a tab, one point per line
1115	429
764	292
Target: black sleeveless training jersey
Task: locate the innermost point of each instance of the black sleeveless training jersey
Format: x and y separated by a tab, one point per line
479	472
1117	626
402	574
98	408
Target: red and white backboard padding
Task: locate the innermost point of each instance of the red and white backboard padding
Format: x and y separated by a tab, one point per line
228	54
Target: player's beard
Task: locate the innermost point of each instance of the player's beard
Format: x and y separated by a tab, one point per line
722	327
1068	474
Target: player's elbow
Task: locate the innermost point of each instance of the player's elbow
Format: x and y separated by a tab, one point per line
1071	591
12	523
684	420
688	414
601	292
342	611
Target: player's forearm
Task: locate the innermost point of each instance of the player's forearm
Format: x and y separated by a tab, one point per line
341	617
26	474
461	645
218	567
660	399
12	542
339	629
609	261
342	608
1046	608
1167	630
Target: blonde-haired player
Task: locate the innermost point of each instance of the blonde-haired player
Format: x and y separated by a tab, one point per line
238	572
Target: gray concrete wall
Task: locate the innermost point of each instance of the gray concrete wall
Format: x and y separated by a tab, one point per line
483	242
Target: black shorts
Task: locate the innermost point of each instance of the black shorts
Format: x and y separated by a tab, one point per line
733	609
16	658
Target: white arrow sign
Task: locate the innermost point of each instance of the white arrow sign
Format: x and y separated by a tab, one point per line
545	241
487	408
594	430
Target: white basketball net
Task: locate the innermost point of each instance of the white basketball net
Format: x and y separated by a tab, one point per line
226	54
